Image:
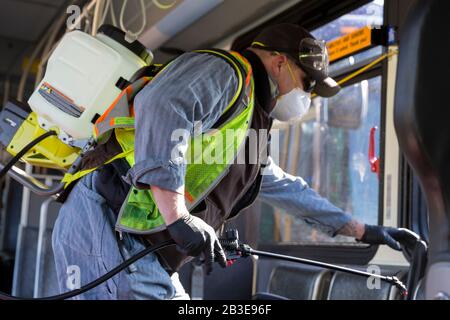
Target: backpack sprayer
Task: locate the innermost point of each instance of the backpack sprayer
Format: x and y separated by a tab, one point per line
84	76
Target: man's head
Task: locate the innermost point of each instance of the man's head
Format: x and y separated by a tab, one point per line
297	64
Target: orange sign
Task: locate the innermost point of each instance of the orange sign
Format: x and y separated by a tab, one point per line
350	43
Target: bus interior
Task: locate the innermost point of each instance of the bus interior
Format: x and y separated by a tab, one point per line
379	149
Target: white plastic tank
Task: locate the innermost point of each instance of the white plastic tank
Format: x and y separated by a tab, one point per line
81	77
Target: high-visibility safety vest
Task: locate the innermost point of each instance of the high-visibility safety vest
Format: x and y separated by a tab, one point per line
139	213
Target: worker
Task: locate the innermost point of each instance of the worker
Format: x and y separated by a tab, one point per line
284	65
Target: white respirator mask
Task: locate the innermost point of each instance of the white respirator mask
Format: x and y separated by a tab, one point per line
292	106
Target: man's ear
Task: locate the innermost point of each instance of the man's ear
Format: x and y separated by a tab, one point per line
277	63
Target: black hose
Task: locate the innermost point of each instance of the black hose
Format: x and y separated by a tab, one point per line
97	282
389	279
22	152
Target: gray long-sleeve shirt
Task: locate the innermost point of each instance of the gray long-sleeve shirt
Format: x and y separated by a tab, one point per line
198	87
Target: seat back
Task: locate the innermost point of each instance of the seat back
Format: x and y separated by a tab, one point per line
422	118
300	284
352	287
291	281
422	108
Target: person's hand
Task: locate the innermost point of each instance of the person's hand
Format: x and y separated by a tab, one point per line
393	237
194	236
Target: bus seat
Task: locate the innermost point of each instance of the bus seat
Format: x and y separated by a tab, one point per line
421	116
299	282
346	286
268	296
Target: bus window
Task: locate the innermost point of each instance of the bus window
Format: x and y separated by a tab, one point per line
329	147
283	140
370	14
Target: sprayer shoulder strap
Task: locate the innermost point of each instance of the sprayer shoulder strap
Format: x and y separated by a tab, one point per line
242	75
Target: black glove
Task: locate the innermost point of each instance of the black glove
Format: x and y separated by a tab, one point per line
392	237
194	236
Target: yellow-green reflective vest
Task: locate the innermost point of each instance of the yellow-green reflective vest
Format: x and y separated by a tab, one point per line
208	156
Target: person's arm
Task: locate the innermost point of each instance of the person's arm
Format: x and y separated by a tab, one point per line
353	228
192	235
171	204
295	196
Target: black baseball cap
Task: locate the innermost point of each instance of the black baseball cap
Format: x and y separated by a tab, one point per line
310	54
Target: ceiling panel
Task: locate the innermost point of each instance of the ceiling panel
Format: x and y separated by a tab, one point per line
228	18
53	3
11	53
27	20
